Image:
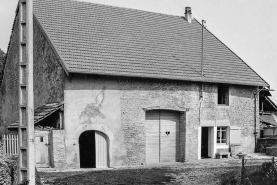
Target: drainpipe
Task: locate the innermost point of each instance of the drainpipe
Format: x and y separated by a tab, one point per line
255	119
202	73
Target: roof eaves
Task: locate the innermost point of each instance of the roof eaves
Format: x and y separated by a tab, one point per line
193	79
55	107
47	114
234	53
52	45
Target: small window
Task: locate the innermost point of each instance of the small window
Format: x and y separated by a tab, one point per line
223	94
41	139
222	135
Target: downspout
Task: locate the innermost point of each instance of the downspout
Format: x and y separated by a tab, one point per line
255	119
202	59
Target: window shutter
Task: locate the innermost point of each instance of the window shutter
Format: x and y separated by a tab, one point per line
235	136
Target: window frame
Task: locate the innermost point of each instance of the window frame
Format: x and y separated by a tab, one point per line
223	94
222	129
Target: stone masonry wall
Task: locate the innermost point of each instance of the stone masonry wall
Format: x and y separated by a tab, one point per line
116	106
57	149
48	76
138	94
265	142
9	86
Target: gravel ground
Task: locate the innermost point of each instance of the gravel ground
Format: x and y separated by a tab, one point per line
210	171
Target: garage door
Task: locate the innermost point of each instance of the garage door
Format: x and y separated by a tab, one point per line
162	136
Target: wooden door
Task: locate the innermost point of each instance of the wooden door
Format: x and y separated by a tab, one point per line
169	136
42	149
162	136
152	137
101	150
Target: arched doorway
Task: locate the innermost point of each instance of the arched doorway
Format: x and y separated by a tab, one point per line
93	149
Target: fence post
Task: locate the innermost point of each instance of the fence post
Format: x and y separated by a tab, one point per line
242	172
273	164
3	139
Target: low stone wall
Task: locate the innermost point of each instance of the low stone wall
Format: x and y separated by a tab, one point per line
8	170
265	142
271	151
57	149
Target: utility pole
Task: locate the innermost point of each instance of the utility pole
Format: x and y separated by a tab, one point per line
26	93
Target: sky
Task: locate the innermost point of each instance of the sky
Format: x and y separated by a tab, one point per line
247	27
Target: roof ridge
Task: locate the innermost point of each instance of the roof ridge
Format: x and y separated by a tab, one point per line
232	51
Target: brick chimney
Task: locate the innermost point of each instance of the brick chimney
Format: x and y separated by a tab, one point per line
188	14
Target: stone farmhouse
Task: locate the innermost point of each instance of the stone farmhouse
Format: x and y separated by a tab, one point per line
116	86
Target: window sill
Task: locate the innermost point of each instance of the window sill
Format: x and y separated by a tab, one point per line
222	105
222	145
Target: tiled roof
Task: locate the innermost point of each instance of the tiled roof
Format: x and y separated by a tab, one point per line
42	112
46	110
100	39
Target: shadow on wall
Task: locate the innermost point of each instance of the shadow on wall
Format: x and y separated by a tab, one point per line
128	83
93	109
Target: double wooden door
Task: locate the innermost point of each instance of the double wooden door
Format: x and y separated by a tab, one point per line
162	136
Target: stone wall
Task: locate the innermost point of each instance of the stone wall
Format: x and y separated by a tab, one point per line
138	94
8	170
270	132
265	142
9	87
57	149
48	76
120	113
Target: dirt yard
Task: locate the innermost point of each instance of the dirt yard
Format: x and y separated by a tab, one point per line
210	171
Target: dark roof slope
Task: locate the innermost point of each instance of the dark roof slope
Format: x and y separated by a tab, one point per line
100	39
271	105
268	118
